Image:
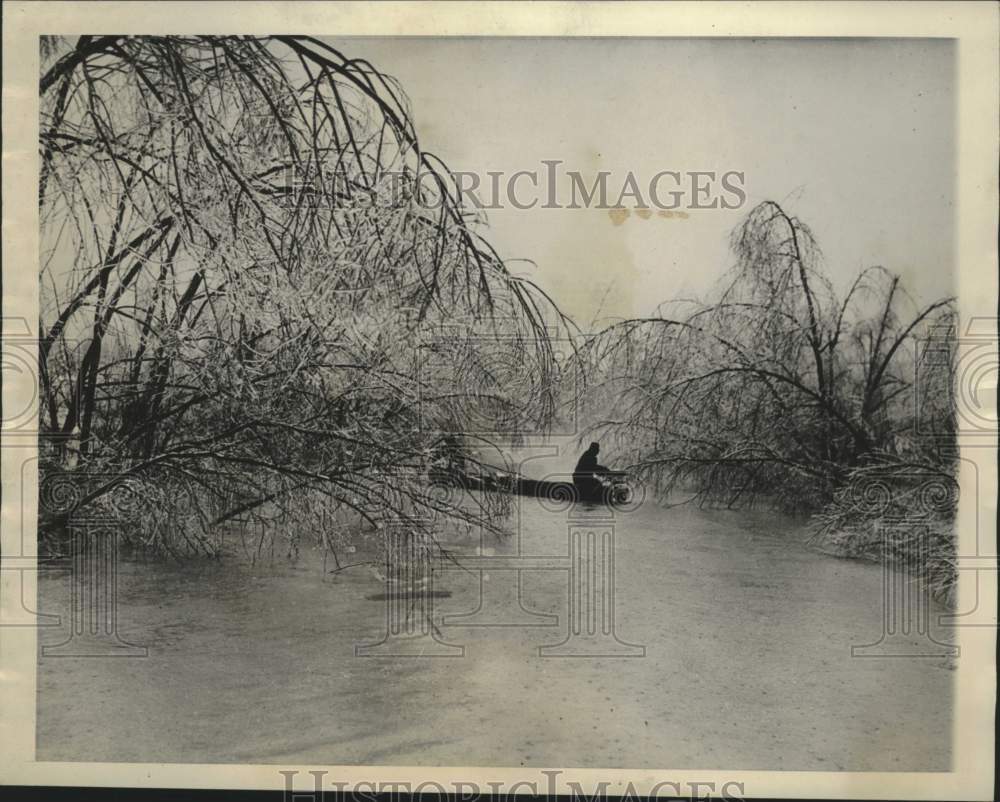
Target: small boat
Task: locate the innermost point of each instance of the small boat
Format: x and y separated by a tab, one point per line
611	488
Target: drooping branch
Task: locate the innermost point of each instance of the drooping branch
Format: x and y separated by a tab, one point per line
690	395
241	251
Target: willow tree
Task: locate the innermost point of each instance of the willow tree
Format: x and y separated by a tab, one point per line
778	388
254	284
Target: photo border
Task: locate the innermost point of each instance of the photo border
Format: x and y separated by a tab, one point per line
973	25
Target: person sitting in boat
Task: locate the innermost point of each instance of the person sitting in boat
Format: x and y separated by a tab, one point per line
587	474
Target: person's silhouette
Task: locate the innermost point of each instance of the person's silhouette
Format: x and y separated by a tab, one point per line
587	471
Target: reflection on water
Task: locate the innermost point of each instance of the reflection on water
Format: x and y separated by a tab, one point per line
747	637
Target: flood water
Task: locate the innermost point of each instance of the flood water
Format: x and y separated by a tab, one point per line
733	643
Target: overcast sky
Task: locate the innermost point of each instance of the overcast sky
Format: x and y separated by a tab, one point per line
856	137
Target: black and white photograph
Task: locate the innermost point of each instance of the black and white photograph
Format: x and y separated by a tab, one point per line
540	401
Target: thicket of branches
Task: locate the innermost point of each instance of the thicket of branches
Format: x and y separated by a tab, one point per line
260	297
780	391
261	300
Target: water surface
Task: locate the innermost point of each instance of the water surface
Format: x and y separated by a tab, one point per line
748	664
